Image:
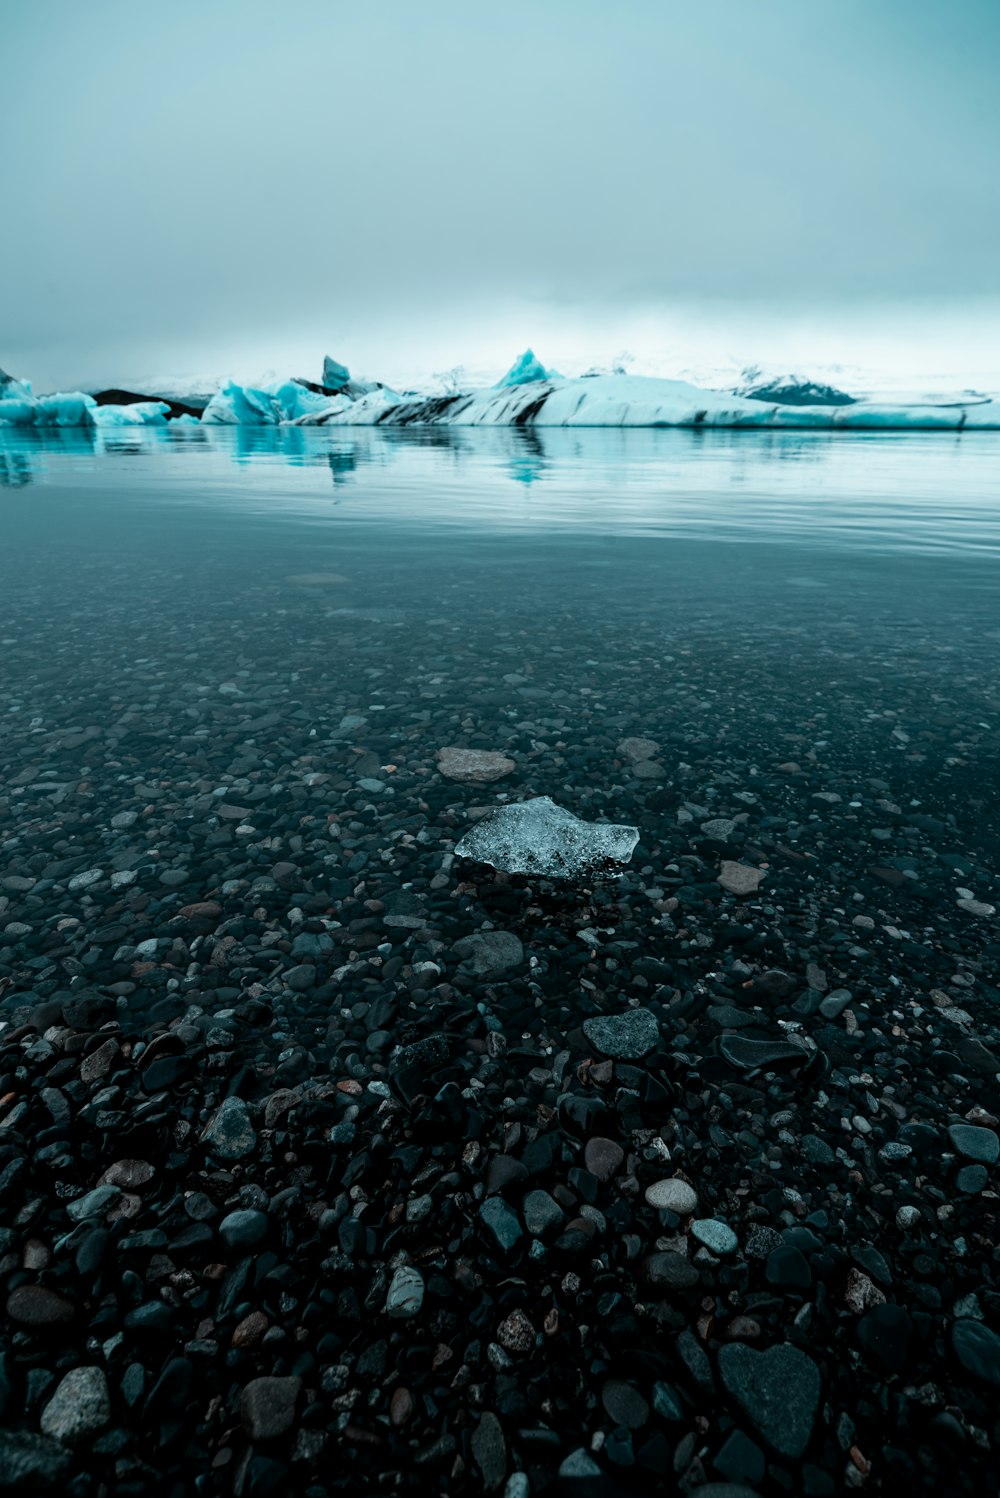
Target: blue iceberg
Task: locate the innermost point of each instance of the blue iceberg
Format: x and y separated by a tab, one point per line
525	371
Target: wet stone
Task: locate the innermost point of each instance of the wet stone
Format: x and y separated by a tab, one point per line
716	1236
672	1195
625	1037
489	1451
406	1293
981	1145
624	1405
230	1134
977	1348
778	1390
267	1407
80	1405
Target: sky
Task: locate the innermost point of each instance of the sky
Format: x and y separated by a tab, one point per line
232	186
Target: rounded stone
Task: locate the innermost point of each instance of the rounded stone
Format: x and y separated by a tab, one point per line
267	1407
672	1195
778	1391
977	1349
603	1158
981	1145
406	1293
627	1036
242	1229
717	1237
473	766
80	1405
624	1404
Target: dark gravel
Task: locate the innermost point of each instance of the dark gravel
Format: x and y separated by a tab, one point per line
324	1157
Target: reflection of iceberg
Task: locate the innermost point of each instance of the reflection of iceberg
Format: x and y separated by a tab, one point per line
540	838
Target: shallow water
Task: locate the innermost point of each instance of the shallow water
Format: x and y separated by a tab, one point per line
191	607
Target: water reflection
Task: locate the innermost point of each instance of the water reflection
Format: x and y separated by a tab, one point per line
875	491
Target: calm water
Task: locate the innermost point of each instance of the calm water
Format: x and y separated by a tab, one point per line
744	599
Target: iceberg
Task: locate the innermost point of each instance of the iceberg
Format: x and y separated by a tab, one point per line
525	370
335	376
73	409
136	414
11	389
792	390
541	838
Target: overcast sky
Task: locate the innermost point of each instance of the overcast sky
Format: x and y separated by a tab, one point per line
217	185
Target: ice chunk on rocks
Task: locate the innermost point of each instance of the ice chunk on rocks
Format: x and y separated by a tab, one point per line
538	837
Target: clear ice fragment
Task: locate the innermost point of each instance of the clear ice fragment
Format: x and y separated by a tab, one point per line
538	837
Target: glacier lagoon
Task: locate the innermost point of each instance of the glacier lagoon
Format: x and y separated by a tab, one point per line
232	658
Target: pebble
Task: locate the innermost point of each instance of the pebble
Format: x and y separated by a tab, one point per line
474	766
717	1236
80	1405
243	1229
406	1293
977	1349
740	878
267	1407
778	1391
982	1145
626	1037
672	1195
230	1134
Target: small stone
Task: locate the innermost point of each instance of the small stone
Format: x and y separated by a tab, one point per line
128	1174
672	1195
627	1036
907	1217
34	1305
98	1063
861	1294
243	1229
669	1271
720	829
603	1158
406	1293
717	1236
638	750
541	1213
30	1463
788	1268
250	1330
516	1333
473	766
972	1179
401	1407
502	1221
489	1451
80	1405
777	1389
975	1143
230	1134
488	952
624	1405
739	878
93	1204
267	1407
977	1349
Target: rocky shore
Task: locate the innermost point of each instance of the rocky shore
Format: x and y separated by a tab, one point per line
333	1163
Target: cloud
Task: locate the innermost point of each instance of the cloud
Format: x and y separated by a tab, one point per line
185	182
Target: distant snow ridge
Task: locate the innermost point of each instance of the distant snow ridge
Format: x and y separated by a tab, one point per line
792	390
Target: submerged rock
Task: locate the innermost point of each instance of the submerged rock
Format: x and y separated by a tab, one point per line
475	766
538	837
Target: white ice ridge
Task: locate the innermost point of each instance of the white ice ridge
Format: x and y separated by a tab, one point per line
527	396
541	838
